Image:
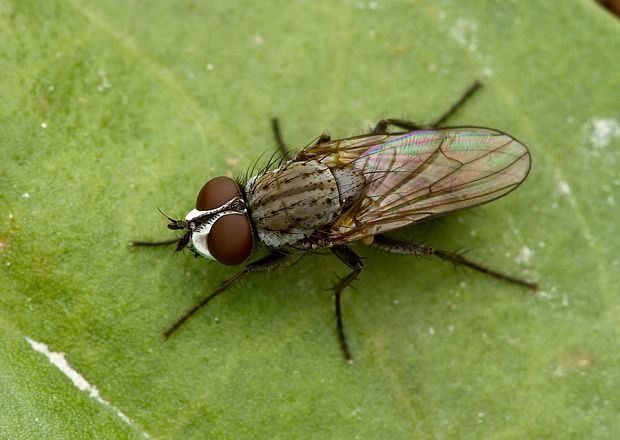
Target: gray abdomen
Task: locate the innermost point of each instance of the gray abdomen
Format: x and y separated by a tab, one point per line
297	201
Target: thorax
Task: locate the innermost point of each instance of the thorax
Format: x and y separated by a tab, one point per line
298	202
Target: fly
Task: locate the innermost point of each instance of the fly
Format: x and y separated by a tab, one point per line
335	192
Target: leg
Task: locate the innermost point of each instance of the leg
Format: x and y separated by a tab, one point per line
350	258
174	224
277	134
323	138
153	243
269	262
381	127
402	247
181	242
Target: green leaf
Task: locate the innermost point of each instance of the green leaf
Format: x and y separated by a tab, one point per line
110	109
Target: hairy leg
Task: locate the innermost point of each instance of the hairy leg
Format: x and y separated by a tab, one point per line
269	262
407	248
382	126
351	259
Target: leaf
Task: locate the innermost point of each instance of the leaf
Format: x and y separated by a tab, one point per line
110	109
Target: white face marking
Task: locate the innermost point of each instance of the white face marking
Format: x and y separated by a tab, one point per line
199	236
201	233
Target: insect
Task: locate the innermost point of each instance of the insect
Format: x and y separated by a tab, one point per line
335	192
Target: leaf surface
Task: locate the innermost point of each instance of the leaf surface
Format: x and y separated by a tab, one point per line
110	109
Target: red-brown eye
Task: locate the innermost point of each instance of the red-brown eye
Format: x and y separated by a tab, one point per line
230	239
216	192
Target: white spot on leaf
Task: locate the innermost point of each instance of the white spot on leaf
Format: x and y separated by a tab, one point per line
603	130
465	33
563	187
105	82
487	72
232	162
525	256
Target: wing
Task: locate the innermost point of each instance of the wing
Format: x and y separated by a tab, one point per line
420	175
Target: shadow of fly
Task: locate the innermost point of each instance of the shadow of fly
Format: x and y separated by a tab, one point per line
338	191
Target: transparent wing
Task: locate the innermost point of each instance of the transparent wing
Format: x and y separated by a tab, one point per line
423	174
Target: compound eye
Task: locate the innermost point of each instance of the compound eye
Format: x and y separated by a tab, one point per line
230	239
216	192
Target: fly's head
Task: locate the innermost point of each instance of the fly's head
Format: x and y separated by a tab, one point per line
219	228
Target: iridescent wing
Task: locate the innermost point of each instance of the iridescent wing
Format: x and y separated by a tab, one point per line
419	175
